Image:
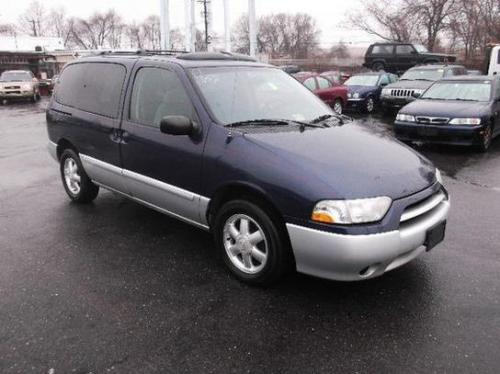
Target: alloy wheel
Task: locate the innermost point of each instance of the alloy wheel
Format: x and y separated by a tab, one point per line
245	243
71	176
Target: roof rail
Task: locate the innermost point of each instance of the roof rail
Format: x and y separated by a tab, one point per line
222	55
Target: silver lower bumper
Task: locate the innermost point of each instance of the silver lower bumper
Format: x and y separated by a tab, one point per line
52	148
357	257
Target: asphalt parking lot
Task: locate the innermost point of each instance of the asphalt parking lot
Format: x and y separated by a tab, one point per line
116	287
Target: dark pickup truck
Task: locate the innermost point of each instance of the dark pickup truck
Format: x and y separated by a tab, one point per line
398	57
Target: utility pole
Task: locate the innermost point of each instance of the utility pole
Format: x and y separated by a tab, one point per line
206	17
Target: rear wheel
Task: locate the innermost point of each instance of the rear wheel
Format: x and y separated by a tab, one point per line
378	66
76	183
337	106
251	244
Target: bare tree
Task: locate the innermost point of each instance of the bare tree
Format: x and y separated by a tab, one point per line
100	30
293	35
387	19
60	25
33	20
7	29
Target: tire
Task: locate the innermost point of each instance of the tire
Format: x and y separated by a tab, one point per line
257	252
76	183
486	139
378	66
337	106
369	105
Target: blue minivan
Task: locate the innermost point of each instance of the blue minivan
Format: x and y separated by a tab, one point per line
243	150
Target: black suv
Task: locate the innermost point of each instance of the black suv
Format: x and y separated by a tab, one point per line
398	57
414	82
244	150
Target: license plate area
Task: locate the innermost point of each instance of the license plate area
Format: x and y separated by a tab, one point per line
428	131
435	235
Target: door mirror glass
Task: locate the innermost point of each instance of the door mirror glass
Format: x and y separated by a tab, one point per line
177	125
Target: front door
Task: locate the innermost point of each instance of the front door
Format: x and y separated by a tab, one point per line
162	170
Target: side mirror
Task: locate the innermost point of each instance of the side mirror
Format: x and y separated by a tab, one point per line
178	125
383	84
413	52
416	95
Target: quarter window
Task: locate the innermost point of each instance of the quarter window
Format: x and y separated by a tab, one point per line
323	83
92	87
158	93
310	83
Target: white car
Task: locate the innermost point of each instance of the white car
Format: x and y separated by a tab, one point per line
19	84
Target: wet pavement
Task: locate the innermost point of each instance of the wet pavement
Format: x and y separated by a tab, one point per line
116	287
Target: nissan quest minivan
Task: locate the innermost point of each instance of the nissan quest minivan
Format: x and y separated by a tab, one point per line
245	151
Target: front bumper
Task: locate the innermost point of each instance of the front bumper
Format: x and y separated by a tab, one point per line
394	102
16	94
357	257
358	103
442	134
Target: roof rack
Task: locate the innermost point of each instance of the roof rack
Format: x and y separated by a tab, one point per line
141	52
222	55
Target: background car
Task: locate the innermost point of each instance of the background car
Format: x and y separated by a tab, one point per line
337	77
458	110
396	57
363	90
335	96
414	82
19	84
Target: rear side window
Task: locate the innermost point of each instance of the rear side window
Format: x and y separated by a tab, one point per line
92	87
404	49
310	83
323	83
382	49
158	93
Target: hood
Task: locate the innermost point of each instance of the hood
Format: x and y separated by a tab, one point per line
350	161
408	84
432	54
362	90
447	108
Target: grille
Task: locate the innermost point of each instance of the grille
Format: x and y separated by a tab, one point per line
12	87
401	93
432	120
423	207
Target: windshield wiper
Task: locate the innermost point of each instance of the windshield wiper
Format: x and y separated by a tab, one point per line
459	99
423	79
262	122
339	117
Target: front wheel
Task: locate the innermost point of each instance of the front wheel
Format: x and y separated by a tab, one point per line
76	183
369	105
252	246
486	139
337	106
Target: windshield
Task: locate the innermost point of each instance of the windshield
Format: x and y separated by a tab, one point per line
423	74
15	77
362	80
420	48
237	94
470	91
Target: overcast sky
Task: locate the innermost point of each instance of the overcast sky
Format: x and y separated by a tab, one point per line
329	14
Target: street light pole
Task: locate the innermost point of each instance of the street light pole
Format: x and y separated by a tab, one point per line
227	27
252	27
164	24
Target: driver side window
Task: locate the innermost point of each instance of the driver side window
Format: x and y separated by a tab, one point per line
384	80
310	83
158	93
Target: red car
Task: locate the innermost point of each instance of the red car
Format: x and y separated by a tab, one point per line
335	96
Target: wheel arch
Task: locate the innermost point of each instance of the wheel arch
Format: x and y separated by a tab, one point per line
63	144
245	191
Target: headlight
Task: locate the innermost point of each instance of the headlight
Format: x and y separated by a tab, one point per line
386	91
465	121
405	117
356	95
26	87
420	92
346	212
439	177
349	94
